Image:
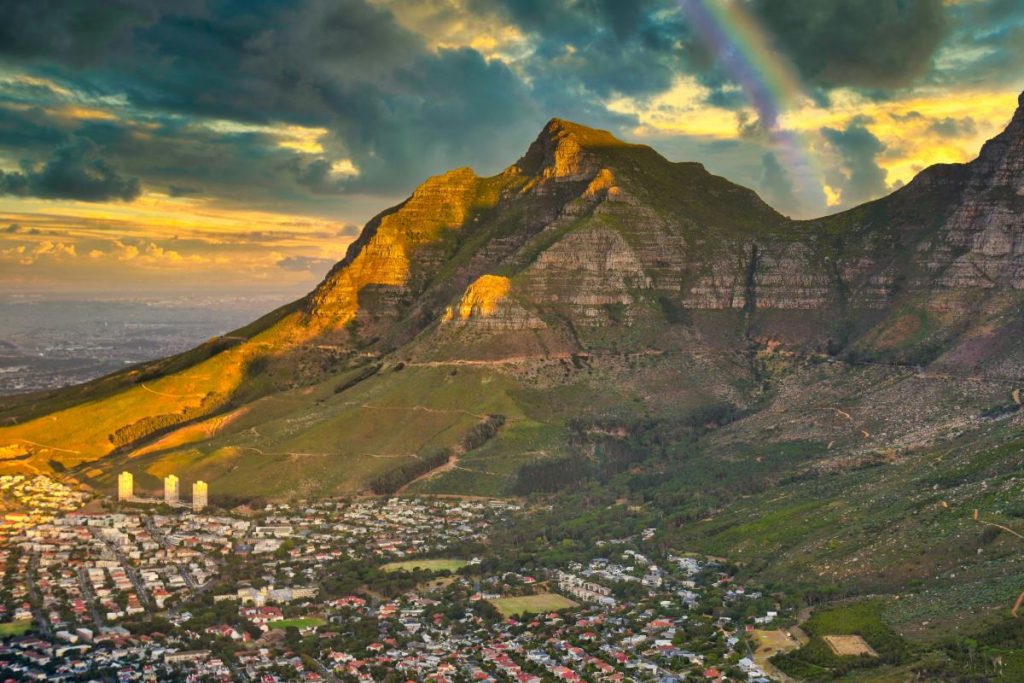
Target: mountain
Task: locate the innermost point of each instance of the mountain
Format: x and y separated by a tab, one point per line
587	300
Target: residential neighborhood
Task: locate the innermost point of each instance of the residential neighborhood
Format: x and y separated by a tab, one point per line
335	590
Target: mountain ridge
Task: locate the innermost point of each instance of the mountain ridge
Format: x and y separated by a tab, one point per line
655	281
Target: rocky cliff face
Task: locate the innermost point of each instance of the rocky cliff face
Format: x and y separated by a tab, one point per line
390	249
986	231
585	230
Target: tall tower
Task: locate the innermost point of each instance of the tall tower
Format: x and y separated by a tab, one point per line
198	496
171	489
125	486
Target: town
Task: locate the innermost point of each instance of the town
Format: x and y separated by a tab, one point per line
367	589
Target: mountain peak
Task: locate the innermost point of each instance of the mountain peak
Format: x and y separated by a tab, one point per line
563	150
584	135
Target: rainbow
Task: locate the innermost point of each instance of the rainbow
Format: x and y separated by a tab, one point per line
769	81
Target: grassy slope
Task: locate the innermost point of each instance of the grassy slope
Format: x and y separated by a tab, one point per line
892	520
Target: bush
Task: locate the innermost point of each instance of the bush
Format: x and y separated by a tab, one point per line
154	425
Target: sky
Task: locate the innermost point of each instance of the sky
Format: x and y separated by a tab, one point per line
237	145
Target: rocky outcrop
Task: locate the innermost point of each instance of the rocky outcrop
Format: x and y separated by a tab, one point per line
386	253
486	305
987	227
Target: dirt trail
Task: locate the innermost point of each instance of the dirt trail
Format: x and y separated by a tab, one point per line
1014	611
49	448
160	393
452	463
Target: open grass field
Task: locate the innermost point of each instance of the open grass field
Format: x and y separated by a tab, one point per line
534	604
302	623
849	646
15	628
439	565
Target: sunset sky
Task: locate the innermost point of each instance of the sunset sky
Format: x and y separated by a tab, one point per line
239	144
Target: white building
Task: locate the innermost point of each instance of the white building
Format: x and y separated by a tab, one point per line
199	491
171	489
125	486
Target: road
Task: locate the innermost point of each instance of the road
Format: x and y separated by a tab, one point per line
37	599
160	538
129	569
190	580
90	598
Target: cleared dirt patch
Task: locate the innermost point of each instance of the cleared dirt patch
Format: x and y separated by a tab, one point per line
424	565
849	646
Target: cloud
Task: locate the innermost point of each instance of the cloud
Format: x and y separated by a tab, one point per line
56	249
373	92
75	171
182	190
987	44
305	263
28	255
333	107
349	230
777	186
857	177
950	127
869	45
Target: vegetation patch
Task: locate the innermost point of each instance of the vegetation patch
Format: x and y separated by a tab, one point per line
393	480
844	639
15	628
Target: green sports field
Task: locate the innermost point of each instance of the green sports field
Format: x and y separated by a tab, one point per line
302	623
534	604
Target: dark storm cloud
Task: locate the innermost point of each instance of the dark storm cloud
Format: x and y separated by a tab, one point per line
995	25
73	30
871	45
174	152
28	129
400	110
858	175
75	171
599	48
397	109
317	177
